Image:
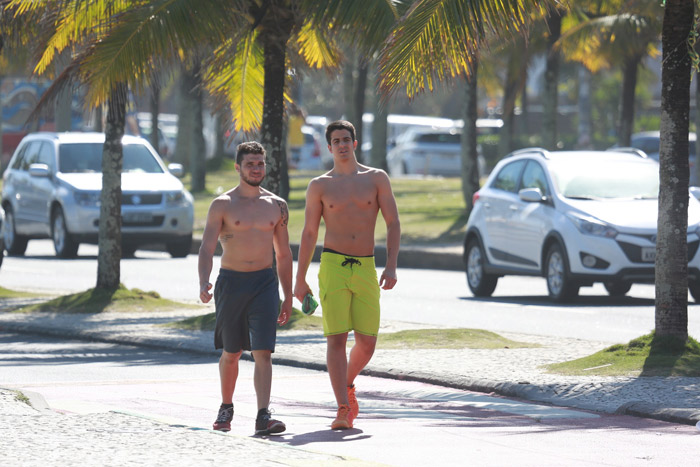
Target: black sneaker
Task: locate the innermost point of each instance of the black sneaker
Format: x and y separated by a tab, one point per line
266	425
223	420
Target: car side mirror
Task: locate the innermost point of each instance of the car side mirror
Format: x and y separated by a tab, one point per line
532	195
695	191
176	169
39	170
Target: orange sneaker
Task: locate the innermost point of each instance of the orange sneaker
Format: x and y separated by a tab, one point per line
342	420
352	402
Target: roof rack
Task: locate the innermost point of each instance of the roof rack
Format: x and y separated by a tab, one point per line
541	151
630	150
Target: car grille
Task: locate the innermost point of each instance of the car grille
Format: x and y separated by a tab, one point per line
634	252
141	199
142	221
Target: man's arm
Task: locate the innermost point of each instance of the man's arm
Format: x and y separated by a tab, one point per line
312	220
283	257
390	213
210	237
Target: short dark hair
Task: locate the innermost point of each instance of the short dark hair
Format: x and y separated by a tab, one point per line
339	125
249	147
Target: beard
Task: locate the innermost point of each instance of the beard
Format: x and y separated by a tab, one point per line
252	182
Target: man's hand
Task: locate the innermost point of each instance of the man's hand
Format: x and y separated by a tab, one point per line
388	279
301	288
285	312
204	294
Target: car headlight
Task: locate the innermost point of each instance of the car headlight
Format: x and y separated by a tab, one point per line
87	198
592	226
175	197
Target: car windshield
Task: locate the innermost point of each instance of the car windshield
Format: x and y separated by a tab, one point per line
614	179
87	158
439	138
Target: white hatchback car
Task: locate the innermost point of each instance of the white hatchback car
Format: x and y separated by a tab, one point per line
573	217
51	189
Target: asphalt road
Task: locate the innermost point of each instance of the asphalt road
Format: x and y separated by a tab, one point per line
429	297
400	423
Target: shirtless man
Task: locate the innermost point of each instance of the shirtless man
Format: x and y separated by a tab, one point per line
348	198
248	221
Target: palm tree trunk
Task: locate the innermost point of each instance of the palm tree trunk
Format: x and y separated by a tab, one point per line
629	84
155	110
277	28
62	105
359	103
185	111
671	317
585	139
551	83
110	235
470	165
697	125
379	131
198	150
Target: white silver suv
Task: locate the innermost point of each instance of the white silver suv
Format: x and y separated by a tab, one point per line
573	217
51	189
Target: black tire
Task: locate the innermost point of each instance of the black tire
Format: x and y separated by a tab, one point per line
694	288
617	288
15	244
560	286
180	248
129	250
480	283
63	241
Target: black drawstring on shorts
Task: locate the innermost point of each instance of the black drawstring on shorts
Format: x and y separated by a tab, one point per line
351	261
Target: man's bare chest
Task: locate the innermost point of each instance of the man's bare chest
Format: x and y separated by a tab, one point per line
246	216
348	198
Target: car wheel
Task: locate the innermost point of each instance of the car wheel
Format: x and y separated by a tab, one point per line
694	288
617	288
559	284
480	283
15	244
129	250
63	243
179	248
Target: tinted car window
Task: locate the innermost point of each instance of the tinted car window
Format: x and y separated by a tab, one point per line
87	157
507	178
45	155
534	177
442	138
19	160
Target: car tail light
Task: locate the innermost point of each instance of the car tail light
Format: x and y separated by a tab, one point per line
475	198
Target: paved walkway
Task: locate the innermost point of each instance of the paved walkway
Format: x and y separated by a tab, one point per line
510	372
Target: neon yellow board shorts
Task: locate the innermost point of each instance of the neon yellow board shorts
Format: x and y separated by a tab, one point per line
349	293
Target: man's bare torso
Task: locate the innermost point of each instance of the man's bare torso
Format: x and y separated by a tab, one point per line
247	229
350	208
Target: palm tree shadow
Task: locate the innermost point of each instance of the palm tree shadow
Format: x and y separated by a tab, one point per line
664	354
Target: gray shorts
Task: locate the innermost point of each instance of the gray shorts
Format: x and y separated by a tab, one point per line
247	307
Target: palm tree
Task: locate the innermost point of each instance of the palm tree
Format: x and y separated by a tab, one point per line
439	40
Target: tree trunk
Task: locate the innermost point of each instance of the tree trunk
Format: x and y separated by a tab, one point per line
629	84
470	165
349	87
551	83
277	28
671	317
697	125
379	131
64	100
359	103
185	111
585	138
155	110
110	235
198	150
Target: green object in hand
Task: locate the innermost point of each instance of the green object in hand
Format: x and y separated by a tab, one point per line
309	305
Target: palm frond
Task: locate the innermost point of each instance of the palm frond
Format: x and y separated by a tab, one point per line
318	50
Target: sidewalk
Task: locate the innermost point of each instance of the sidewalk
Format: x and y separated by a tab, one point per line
509	372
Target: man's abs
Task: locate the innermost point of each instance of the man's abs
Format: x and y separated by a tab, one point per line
246	251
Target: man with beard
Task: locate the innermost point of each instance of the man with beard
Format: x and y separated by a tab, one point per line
249	222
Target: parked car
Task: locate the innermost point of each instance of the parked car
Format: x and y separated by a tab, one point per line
51	189
573	217
429	152
308	157
650	141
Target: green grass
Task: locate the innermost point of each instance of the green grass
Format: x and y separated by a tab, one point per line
643	356
432	210
447	339
7	293
297	322
98	300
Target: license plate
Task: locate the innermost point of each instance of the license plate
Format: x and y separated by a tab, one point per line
648	254
138	217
